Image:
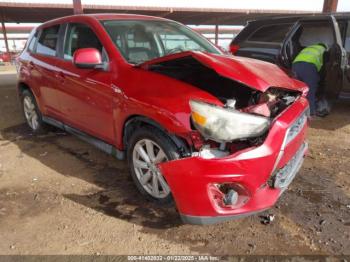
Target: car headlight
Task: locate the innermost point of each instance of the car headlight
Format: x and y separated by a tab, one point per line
226	124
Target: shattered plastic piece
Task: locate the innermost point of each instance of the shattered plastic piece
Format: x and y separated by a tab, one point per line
209	153
265	220
231	103
289	99
267	97
259	109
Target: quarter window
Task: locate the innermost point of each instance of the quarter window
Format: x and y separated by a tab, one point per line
271	33
47	43
81	36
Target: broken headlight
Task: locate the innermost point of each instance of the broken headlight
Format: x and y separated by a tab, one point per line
226	124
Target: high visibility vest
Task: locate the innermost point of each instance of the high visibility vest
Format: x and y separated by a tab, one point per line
312	54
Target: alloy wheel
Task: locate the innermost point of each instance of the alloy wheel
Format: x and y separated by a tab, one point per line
30	113
146	155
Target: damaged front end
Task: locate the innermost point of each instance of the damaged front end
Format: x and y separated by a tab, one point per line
219	183
247	93
238	140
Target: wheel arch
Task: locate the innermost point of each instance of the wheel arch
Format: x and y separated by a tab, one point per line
136	121
21	86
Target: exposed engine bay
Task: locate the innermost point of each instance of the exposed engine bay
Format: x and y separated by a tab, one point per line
271	103
231	93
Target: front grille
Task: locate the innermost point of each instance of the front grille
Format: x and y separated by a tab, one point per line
296	127
284	176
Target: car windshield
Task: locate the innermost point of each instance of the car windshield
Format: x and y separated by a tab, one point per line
142	40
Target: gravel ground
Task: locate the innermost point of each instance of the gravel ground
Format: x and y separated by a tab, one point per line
59	195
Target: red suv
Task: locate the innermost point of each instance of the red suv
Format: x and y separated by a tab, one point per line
219	135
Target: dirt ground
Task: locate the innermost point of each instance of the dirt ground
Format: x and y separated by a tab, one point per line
59	195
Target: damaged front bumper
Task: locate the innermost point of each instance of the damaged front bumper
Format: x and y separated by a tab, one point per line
207	191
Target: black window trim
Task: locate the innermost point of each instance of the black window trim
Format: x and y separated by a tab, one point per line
346	28
37	33
343	33
61	37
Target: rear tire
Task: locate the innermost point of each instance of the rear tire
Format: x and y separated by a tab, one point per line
32	113
147	147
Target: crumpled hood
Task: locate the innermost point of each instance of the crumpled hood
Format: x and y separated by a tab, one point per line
254	73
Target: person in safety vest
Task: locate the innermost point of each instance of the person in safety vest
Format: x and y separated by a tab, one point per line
306	67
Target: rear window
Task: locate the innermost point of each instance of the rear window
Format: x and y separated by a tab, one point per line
270	33
47	43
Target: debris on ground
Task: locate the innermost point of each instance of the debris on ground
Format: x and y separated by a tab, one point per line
268	219
322	221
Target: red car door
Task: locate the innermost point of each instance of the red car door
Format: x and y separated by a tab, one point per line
86	94
43	67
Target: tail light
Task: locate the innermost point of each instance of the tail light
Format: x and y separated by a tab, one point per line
234	49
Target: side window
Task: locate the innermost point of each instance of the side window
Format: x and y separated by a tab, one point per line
271	33
47	43
81	36
32	43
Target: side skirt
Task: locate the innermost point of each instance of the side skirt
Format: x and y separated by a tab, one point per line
105	147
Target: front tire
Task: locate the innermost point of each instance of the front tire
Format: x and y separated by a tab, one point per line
32	113
148	147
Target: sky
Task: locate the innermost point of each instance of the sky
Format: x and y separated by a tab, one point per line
300	5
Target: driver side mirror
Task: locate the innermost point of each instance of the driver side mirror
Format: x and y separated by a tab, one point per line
88	58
